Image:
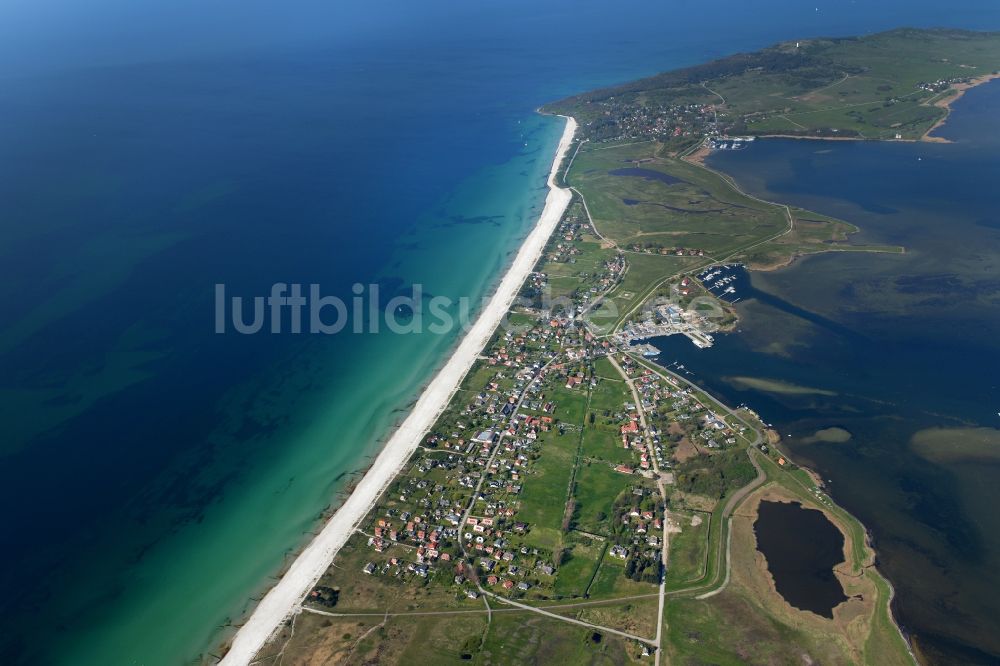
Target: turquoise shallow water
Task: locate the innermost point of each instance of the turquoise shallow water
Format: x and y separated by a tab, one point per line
198	462
154	474
313	415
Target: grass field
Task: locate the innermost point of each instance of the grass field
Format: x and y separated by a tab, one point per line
571	404
730	629
520	639
604	370
576	573
601	433
635	616
610	393
597	486
604	444
668	203
688	577
611	581
543	498
689	548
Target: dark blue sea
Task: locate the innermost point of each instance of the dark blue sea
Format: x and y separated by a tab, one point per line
156	474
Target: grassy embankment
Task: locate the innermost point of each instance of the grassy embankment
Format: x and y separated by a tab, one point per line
760	621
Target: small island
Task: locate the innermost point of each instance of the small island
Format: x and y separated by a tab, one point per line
575	500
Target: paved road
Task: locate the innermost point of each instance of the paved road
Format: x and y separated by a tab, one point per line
465	517
665	540
737	497
496	449
731	505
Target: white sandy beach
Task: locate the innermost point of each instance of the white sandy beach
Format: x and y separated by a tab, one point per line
285	597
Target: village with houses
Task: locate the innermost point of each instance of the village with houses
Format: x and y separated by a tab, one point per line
561	466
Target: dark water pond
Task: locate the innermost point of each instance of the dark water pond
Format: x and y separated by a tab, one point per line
801	546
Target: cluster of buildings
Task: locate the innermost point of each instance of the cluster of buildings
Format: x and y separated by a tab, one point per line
675	413
456	509
656	248
455	515
622	118
941	85
593	283
611	272
666	316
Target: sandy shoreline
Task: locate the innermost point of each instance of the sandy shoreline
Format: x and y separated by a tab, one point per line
313	561
946	102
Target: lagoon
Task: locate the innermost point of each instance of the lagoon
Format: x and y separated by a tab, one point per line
898	351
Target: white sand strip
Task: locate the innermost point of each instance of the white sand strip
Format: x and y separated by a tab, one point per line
309	566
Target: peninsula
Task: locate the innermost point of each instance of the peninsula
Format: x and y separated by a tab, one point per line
554	494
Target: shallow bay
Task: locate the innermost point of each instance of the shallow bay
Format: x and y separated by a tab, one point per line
889	346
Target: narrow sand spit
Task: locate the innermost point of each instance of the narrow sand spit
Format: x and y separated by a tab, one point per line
283	599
